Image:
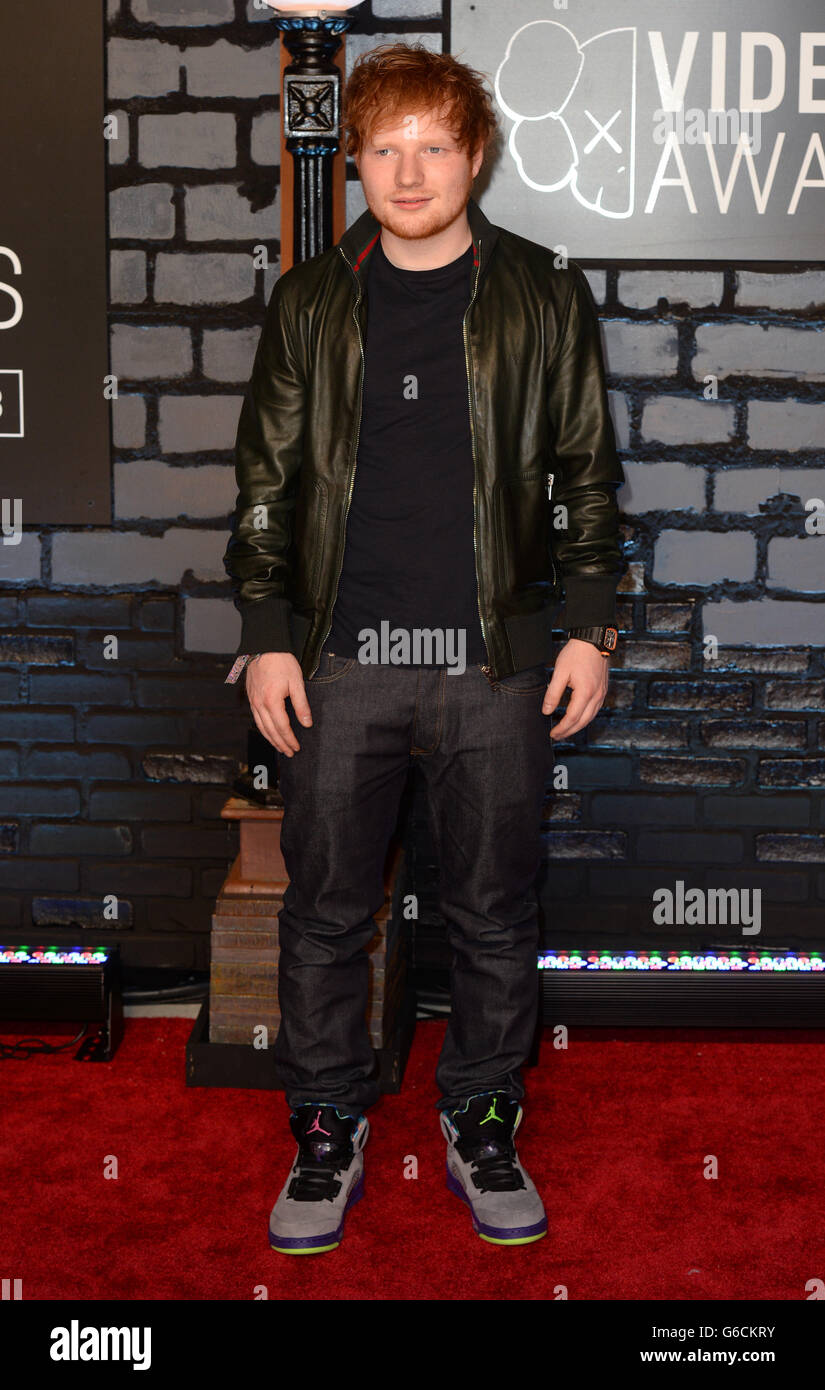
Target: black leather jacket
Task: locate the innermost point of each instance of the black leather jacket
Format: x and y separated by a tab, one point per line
538	407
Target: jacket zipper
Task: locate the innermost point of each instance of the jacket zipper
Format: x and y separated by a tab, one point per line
352	466
486	669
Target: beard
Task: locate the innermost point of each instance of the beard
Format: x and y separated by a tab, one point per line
436	217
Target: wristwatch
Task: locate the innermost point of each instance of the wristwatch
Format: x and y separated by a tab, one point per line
605	638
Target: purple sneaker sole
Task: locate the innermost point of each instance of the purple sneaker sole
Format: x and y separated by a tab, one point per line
315	1245
498	1235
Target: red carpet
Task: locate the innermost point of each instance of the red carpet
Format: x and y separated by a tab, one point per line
615	1135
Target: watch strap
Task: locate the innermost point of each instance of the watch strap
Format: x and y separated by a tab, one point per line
605	638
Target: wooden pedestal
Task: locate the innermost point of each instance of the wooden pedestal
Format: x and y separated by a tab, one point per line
243	990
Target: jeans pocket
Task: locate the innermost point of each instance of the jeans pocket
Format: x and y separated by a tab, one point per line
527	682
331	668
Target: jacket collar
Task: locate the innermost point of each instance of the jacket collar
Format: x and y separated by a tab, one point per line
359	239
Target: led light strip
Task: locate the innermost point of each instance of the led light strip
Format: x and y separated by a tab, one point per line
745	961
21	955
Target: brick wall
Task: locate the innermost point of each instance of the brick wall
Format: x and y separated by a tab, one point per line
115	766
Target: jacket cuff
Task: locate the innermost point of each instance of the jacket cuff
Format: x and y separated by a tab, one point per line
265	626
590	601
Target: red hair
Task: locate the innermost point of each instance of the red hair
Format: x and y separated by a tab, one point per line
392	81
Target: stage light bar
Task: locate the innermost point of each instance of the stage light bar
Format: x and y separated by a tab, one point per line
77	983
680	985
50	955
746	961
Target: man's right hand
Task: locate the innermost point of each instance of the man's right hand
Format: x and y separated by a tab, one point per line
270	678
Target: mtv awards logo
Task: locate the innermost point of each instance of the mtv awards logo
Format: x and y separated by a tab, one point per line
630	114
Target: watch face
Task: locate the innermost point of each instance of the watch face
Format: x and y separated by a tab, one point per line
611	638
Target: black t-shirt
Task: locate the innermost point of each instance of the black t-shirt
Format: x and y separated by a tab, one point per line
409	558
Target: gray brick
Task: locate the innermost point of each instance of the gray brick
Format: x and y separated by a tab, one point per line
86	688
63	876
39	801
406	9
118	557
795	695
662	486
117	142
24	725
584	844
140	880
756	810
700	558
219	212
653	656
761	662
682	847
142	353
137	729
144	211
800	849
67	840
180	12
687	420
21	563
129	422
211	625
82	912
54	763
228	354
140	803
636	733
157	615
265	142
747	489
668	617
792	772
765	622
213	277
127	274
188	140
640	349
635	808
753	733
142	68
797	564
33	648
801	290
190	424
692	771
189	767
70	610
224	69
700	695
787	425
112	10
147	488
641	289
745	349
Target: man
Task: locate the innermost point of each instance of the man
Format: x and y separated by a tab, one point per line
414	388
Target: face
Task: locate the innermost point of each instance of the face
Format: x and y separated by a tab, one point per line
415	178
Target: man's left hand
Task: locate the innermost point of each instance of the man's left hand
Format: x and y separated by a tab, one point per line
581	666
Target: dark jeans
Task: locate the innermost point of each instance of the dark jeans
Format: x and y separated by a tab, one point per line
486	754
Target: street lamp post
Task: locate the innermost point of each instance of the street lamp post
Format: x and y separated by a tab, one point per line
311	112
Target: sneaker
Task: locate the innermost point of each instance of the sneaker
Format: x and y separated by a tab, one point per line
484	1170
326	1179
